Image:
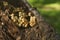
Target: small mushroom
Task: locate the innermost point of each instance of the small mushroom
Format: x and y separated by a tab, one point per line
20	13
32	21
25	23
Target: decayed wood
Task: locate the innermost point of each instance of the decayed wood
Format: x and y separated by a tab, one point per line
10	31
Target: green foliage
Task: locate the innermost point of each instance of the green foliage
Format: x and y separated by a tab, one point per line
39	3
36	3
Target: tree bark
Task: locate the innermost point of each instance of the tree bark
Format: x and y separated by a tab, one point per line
41	31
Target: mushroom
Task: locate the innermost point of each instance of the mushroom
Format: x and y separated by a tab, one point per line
32	21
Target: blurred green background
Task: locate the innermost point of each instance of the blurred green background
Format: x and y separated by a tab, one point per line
50	10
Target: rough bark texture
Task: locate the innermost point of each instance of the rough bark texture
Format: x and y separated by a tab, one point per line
9	31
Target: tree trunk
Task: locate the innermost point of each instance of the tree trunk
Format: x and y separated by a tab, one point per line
9	31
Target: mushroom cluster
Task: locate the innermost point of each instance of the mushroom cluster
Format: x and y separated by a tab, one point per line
17	15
